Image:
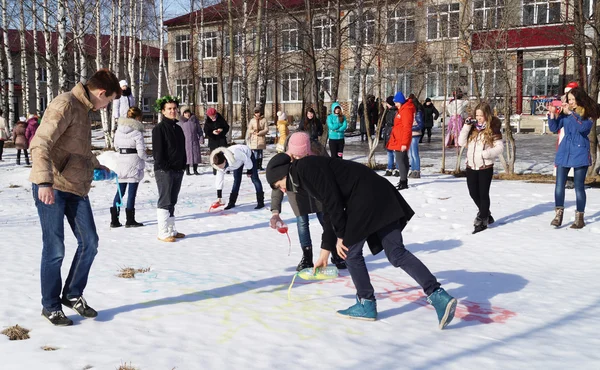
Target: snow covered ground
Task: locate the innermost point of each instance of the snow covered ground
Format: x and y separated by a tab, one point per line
529	295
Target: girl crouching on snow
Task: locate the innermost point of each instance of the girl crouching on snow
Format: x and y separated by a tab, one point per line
483	139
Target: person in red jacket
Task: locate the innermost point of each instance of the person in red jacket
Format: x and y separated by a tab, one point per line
401	136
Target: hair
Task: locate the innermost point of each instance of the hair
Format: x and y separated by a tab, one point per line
159	106
1	111
105	80
219	158
491	131
590	108
134	112
341	117
416	102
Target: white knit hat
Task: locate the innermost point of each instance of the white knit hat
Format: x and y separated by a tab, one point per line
281	115
123	83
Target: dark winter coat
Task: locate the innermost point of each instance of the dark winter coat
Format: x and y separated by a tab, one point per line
313	127
574	149
32	125
373	114
168	146
357	201
193	136
430	114
215	141
19	137
388	124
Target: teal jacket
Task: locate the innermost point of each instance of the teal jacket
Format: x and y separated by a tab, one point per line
336	128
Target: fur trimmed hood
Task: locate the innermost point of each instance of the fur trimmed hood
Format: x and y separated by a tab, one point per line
134	124
226	152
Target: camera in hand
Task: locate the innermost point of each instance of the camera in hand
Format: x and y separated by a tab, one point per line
558	105
471	121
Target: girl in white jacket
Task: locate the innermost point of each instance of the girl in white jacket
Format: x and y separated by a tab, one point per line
131	161
483	139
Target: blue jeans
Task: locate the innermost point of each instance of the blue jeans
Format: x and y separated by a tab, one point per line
237	178
561	181
415	160
78	212
303	226
133	187
390	155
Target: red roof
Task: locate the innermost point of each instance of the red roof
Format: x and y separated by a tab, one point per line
530	37
14	43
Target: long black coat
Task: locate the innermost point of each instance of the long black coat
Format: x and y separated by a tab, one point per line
168	146
430	114
215	141
388	124
356	200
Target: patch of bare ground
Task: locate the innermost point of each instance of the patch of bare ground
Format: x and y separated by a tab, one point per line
129	272
16	332
49	348
125	366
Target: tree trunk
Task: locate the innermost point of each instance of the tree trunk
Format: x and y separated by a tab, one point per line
104	117
131	47
141	70
244	81
200	31
10	71
83	73
49	56
263	58
360	39
231	70
62	47
335	83
161	59
24	69
257	56
36	59
113	36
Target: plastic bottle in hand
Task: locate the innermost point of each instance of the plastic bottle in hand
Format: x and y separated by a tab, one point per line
321	273
100	174
281	227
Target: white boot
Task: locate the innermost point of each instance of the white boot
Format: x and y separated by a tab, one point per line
171	229
162	216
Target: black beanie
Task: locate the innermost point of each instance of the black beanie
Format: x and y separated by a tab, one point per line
278	168
390	100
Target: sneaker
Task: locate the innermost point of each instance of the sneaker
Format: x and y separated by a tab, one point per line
57	318
179	236
304	264
80	306
444	304
364	309
396	173
388	173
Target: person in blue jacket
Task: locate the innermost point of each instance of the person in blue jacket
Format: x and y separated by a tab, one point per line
337	124
576	118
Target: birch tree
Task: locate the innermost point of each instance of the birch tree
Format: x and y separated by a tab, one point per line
62	47
141	67
49	57
161	59
231	68
104	118
10	71
360	40
200	32
23	53
244	87
131	47
36	58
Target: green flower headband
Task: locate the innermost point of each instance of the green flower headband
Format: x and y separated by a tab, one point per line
160	103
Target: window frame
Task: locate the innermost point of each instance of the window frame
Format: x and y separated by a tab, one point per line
292	78
395	19
537	5
483	13
439	13
182	46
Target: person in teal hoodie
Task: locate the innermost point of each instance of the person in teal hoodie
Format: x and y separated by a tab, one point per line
337	124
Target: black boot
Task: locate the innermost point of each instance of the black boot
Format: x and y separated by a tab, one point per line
131	222
480	224
403	184
196	170
187	170
260	200
232	200
337	260
114	217
306	261
259	164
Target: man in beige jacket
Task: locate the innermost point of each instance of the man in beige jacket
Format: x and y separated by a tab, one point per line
62	173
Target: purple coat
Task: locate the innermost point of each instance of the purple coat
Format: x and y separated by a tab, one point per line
193	136
32	126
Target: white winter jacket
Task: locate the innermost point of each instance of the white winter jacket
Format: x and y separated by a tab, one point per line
237	156
457	107
480	155
130	135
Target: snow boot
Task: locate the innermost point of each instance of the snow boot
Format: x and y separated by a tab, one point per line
162	215
396	173
558	217
171	229
444	304
490	219
260	200
114	217
388	173
403	184
187	170
416	174
196	170
131	222
364	309
338	261
579	223
480	225
232	199
307	259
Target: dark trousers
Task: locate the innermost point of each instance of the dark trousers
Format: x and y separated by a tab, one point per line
237	178
169	185
479	182
391	239
402	164
1	148
336	147
428	129
25	154
133	187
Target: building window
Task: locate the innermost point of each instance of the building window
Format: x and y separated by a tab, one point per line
291	87
398	80
211	88
146	80
370	88
269	91
43	103
183	88
237	44
490	79
440	74
541	77
487	14
324	34
289	37
182	48
210	45
368	28
325	78
541	11
145	105
442	21
401	26
237	90
43	74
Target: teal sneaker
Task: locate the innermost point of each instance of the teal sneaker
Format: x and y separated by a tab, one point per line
364	309
444	304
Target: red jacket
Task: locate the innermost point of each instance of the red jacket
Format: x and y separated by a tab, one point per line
402	130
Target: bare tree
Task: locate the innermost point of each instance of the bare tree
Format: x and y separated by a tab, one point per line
10	71
161	58
36	58
231	68
49	57
62	46
23	52
244	81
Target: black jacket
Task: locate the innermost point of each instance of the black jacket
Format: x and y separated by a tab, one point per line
430	114
388	124
215	141
357	201
168	146
314	127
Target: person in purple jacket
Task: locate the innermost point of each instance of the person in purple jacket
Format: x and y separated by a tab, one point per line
32	125
576	118
194	136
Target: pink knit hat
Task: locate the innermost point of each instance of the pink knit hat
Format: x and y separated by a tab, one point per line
299	145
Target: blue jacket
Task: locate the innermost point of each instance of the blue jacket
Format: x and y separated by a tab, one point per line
419	119
574	149
336	128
